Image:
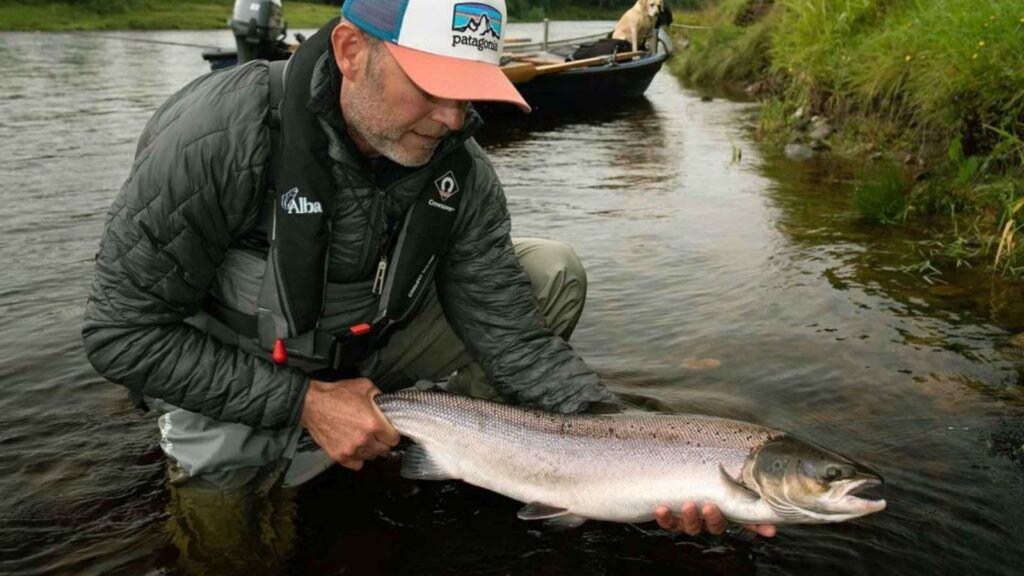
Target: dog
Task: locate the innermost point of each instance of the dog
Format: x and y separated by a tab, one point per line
637	24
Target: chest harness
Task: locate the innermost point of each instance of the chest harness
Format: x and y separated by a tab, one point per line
297	219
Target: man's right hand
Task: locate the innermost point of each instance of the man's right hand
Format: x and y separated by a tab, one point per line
344	420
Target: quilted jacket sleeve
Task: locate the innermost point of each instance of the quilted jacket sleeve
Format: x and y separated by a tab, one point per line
196	184
487	299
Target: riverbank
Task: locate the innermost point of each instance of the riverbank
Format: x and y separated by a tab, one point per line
41	15
928	95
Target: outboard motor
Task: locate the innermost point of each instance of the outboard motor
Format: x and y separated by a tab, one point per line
259	29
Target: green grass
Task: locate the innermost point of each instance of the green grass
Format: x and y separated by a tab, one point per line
145	15
940	82
949	66
881	199
725	52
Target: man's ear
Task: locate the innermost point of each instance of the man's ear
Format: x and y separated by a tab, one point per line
350	50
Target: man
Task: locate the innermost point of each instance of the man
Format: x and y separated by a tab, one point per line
257	281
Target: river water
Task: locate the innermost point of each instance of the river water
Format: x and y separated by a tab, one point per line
724	279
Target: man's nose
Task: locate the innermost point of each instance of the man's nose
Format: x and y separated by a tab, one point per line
451	113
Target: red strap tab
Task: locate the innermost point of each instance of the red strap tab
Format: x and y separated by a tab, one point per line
280	355
360	329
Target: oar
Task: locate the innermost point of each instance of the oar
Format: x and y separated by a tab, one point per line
537	60
524	72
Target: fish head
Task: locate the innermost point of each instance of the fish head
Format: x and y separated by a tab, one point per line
803	482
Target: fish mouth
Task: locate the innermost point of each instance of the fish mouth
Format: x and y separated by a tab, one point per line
844	495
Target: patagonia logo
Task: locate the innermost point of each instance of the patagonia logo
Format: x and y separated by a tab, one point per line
295	204
479	26
447	186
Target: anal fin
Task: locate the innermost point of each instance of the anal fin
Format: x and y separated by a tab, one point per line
417	464
565	522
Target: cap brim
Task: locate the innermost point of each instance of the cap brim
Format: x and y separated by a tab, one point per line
455	78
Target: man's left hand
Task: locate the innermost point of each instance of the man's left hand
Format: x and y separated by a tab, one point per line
692	521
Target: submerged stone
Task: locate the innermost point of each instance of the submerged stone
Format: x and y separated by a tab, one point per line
798	152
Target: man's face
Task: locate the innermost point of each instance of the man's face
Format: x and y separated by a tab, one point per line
390	116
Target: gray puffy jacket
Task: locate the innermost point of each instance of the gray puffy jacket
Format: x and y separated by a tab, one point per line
196	189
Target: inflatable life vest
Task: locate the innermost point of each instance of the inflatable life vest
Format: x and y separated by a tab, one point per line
298	212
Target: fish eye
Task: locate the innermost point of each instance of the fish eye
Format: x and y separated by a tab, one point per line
835	472
777	465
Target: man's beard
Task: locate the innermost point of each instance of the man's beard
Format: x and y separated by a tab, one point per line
369	119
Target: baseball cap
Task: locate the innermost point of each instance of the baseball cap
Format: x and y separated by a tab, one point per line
450	49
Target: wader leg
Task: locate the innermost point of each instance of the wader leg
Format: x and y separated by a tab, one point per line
228	512
428	349
246	530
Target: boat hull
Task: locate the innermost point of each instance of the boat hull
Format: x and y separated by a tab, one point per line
593	88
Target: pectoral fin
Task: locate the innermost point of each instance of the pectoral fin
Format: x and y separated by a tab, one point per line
417	464
538	511
552	516
735	490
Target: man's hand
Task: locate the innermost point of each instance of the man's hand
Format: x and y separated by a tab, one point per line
344	420
689	521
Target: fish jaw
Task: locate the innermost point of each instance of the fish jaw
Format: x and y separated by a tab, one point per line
841	504
845	498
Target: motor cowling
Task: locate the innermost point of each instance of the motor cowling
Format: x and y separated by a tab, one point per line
259	29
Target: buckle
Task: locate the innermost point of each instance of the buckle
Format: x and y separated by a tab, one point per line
355	345
351	347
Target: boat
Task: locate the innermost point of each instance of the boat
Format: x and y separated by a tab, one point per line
602	83
544	72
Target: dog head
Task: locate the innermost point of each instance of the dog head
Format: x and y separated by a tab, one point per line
652	7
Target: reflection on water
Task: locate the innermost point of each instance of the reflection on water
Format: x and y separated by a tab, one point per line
742	289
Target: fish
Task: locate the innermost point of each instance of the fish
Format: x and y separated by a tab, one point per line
568	469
